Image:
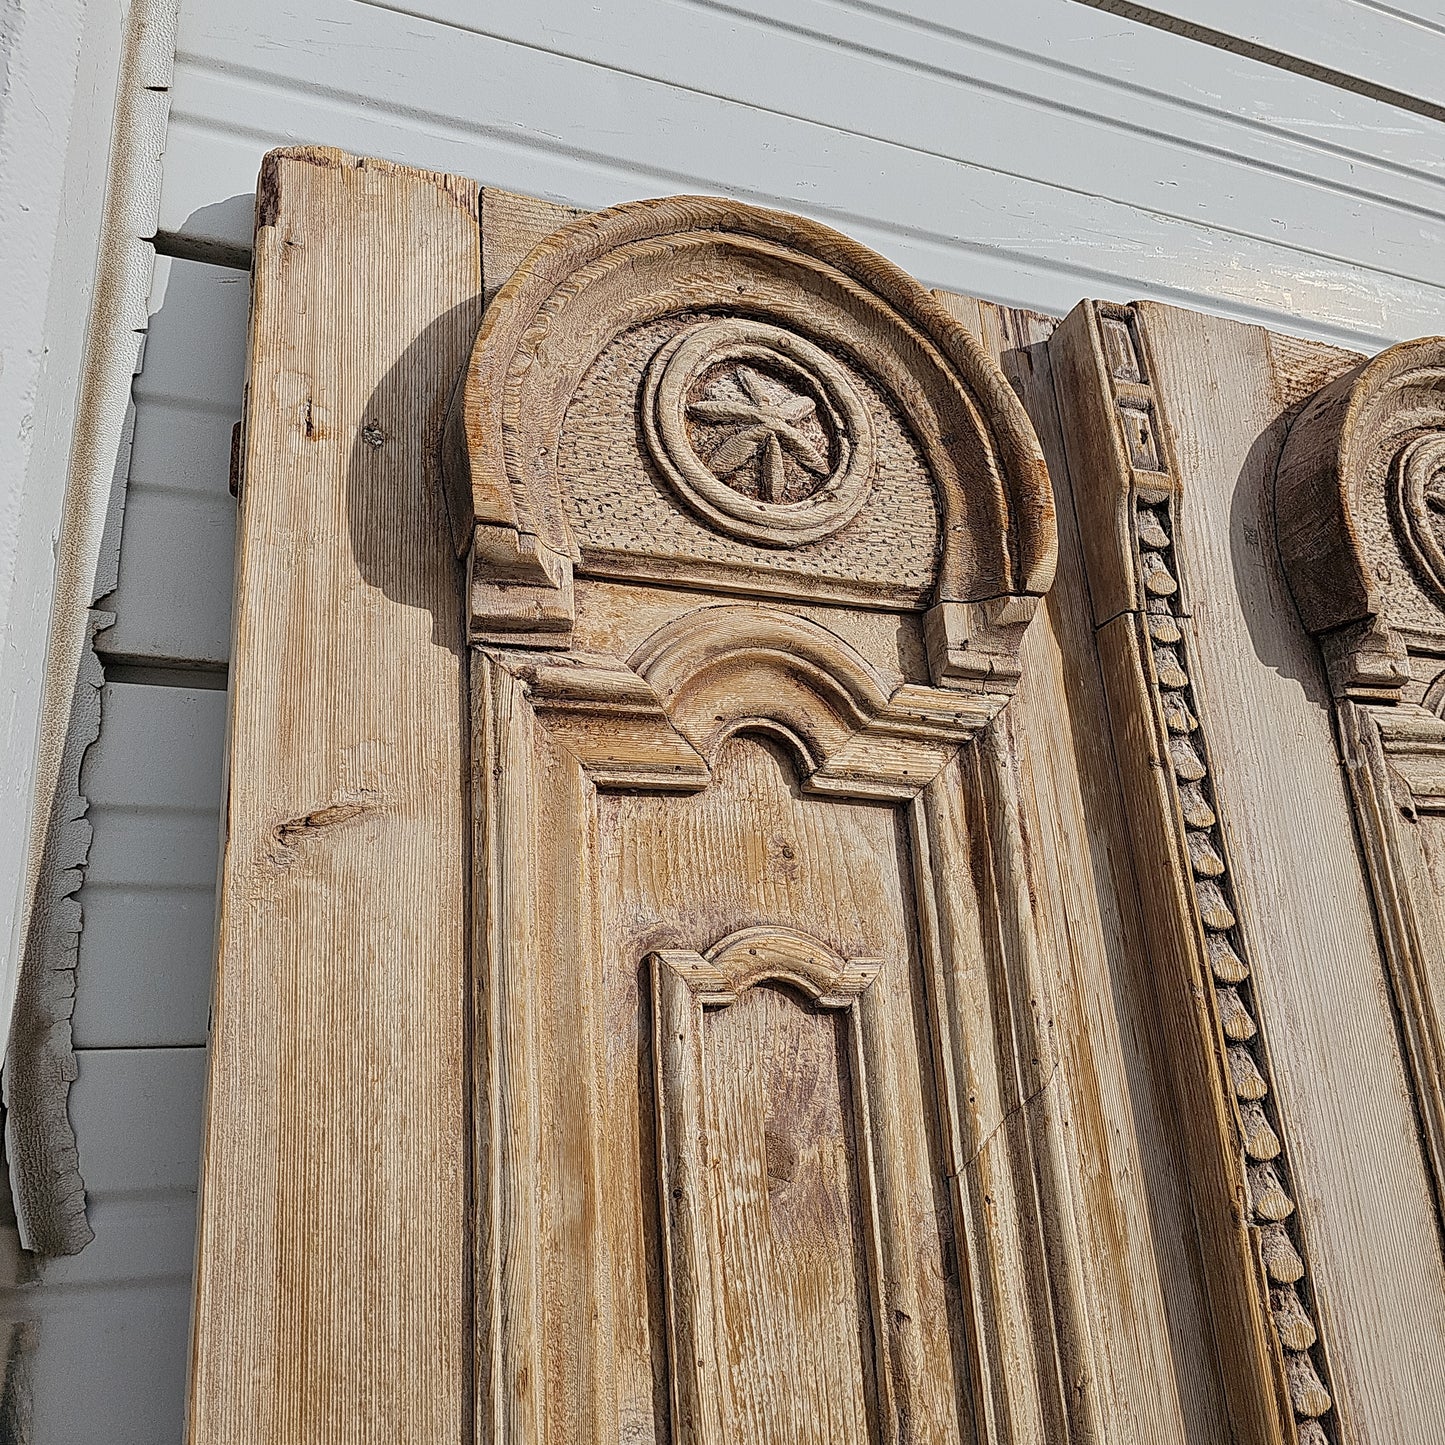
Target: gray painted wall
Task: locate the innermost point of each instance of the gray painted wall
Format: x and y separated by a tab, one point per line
1032	152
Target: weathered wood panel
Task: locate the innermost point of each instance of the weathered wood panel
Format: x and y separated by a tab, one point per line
1148	1314
333	1216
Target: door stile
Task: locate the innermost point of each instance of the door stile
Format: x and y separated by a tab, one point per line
1001	1096
506	1103
1394	761
332	1229
1129	486
545	1321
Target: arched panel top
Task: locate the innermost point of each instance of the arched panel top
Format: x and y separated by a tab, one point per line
747	396
1360	515
772	954
719	670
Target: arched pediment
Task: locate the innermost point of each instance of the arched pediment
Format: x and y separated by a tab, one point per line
702	391
720	670
772	955
1358	508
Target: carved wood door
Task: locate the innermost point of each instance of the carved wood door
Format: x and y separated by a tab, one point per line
740	923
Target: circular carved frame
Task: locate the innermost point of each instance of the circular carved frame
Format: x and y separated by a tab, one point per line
818	381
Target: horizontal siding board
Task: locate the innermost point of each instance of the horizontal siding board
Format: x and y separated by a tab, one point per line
874	78
174	601
137	1120
145	964
1172	70
110	1365
112	1322
148	902
538	122
160	749
173	598
1384	45
192	353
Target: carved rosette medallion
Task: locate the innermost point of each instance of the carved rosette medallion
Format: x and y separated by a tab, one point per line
759	432
1418	496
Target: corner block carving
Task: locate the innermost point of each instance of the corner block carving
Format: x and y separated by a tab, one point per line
1360	513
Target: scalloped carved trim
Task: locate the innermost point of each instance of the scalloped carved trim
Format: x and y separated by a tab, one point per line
1129	485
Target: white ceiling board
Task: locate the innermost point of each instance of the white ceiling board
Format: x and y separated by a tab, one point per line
863	74
1073	39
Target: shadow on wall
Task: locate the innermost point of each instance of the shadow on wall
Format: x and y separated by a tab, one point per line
394	524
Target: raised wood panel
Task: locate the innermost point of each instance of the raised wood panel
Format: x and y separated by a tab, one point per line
687	874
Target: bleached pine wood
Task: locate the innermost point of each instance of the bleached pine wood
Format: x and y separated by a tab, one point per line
689	771
331	1285
1356	507
896	1003
1254	894
1148	1317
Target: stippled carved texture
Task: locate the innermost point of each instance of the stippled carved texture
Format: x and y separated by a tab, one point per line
625	498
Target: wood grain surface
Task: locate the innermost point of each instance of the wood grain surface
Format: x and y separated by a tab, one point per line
894	1014
332	1297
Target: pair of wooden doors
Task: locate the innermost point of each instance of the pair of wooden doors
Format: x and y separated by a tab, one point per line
788	870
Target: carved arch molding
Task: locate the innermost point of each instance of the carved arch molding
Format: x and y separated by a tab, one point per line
808	990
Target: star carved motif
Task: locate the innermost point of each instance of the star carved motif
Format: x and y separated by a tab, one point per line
761	428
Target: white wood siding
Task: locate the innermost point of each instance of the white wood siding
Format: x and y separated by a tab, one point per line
1033	152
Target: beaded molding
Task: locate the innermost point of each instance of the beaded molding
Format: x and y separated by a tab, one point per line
1246	1063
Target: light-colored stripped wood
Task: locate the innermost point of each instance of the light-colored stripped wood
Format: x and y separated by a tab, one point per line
332	1295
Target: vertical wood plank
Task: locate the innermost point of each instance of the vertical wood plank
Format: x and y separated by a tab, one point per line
1145	1299
332	1290
1367	1212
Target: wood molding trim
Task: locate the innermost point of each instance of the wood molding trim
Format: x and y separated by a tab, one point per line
606	715
791	293
1128	487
